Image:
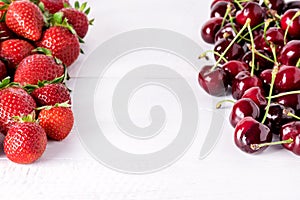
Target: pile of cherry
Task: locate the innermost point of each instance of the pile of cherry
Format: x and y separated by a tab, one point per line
257	53
39	40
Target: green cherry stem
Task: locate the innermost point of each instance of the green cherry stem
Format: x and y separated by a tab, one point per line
297	14
293	115
258	146
284	94
219	104
298	63
204	55
231	43
253	29
263	56
228	10
252	49
239	4
274	73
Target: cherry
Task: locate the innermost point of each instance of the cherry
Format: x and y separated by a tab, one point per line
290	53
242	108
227	31
292	100
275	36
210	28
291	131
217	1
234	53
266	77
260	62
214	82
257	95
252	11
277	5
287	79
248	132
277	116
205	69
292	5
220	8
293	25
233	67
242	82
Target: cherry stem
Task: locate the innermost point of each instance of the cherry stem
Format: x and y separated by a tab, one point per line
263	56
298	63
267	24
246	34
252	49
230	45
239	4
297	14
293	115
219	104
228	10
274	73
284	94
203	55
258	146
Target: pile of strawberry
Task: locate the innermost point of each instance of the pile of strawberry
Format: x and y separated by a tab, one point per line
39	40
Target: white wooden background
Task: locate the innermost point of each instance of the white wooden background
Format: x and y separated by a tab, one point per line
67	171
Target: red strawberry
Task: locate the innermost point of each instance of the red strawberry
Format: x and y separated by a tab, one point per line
14	101
51	94
63	44
57	121
54	6
25	142
37	67
5	32
25	19
77	17
3	71
14	51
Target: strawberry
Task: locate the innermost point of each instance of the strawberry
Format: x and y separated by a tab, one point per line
54	6
14	51
50	94
77	17
25	142
37	67
14	101
25	19
63	44
3	71
57	121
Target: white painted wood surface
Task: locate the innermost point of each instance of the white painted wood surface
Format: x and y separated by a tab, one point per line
67	171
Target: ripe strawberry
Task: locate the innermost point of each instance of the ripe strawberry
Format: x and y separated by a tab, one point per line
54	6
14	101
57	121
5	32
3	71
77	17
14	51
37	67
25	19
63	44
25	142
50	94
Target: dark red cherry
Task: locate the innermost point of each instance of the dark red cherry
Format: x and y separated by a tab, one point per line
233	67
292	5
273	35
210	28
235	52
219	9
227	31
277	5
217	1
214	82
257	95
287	79
290	53
205	69
3	71
277	116
260	62
242	82
242	108
294	27
252	11
292	100
266	77
249	131
291	131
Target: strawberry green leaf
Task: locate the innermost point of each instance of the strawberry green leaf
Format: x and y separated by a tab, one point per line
77	5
